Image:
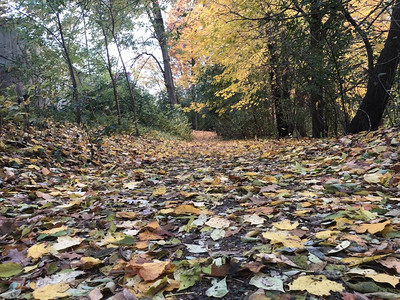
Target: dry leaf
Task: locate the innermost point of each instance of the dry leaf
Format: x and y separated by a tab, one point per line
51	291
125	214
95	294
37	251
218	222
391	263
54	230
253	219
284	238
371	228
285	225
189	209
316	285
160	191
64	242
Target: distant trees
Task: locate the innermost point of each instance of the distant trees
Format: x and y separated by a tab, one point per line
94	80
303	60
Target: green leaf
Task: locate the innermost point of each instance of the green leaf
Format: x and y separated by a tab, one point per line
10	269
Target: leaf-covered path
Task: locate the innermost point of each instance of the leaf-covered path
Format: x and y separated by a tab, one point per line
148	219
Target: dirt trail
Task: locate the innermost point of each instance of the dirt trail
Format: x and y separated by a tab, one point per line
204	136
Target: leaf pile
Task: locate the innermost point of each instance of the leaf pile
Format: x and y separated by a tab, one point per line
151	219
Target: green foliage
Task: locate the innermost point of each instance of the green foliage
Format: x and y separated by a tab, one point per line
13	109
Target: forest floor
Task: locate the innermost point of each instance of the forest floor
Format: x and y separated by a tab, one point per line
153	219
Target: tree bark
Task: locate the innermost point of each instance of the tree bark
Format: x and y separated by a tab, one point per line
315	64
157	21
75	95
113	81
380	80
130	89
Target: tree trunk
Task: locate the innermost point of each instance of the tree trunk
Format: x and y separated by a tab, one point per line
131	95
315	64
158	24
380	81
277	92
113	81
75	95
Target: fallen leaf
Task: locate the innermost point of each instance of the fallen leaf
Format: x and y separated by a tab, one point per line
354	261
218	290
95	294
391	263
9	269
159	191
371	228
64	242
37	251
196	248
373	178
284	238
217	222
89	262
151	271
125	214
285	225
188	209
54	230
51	291
253	219
268	283
217	234
316	285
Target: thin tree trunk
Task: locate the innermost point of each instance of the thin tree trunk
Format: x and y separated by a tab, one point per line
75	95
113	81
157	21
315	63
131	95
380	81
277	93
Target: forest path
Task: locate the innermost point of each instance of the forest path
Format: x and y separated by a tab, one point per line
225	219
199	135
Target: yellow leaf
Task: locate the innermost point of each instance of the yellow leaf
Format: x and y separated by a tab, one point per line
126	214
375	276
34	167
270	179
384	278
371	228
316	285
51	291
188	195
131	185
30	268
54	230
323	235
284	238
307	194
89	262
341	222
302	212
285	225
189	209
160	191
166	211
37	251
354	261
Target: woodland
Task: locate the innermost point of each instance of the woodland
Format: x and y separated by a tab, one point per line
211	149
